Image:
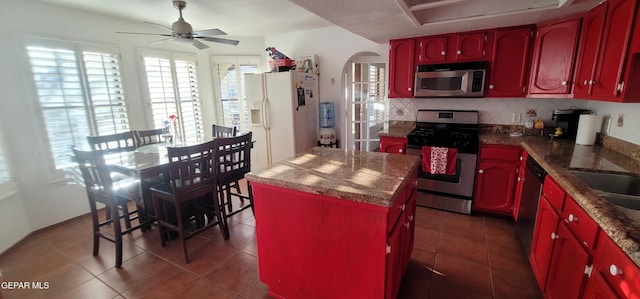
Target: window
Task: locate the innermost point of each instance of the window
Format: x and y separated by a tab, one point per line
5	175
229	72
80	91
366	102
173	90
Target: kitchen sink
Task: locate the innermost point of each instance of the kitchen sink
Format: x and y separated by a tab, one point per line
619	189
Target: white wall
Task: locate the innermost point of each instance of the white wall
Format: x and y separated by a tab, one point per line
42	198
334	47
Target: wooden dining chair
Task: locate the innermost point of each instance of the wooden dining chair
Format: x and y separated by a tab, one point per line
191	191
101	189
146	137
233	161
221	131
113	143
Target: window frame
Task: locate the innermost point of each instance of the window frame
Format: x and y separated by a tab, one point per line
61	173
242	103
173	57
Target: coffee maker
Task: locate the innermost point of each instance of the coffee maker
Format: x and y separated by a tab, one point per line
567	121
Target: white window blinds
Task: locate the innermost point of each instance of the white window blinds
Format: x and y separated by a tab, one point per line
173	90
80	93
230	73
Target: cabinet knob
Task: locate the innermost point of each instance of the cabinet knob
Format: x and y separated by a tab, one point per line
614	270
554	236
409	89
585	82
564	83
442	53
572	218
592	82
459	52
491	86
401	151
481	171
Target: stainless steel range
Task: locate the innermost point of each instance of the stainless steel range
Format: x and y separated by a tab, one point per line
451	129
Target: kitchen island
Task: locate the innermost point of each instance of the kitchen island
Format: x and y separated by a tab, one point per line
333	223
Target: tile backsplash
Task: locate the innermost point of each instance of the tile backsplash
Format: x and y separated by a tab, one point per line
501	110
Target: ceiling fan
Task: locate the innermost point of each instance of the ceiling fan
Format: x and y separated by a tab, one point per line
181	31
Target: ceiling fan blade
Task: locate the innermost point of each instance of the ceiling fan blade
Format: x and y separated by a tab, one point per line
144	33
209	32
200	45
159	26
219	40
159	41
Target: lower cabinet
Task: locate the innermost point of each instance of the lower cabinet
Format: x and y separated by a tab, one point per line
393	145
519	184
569	261
572	257
495	187
319	246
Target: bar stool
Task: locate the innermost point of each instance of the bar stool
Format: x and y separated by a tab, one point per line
233	161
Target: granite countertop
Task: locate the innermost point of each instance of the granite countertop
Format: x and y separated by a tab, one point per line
557	157
368	177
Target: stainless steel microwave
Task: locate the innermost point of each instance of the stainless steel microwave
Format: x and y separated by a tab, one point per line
450	80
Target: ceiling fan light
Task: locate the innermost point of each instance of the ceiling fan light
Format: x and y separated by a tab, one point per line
180	26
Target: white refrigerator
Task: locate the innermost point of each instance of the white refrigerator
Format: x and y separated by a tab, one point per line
283	113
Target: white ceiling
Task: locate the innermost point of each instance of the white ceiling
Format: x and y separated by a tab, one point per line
377	20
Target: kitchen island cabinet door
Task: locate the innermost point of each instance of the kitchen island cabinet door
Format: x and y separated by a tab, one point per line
607	84
598	288
401	68
544	236
510	62
553	59
590	41
568	264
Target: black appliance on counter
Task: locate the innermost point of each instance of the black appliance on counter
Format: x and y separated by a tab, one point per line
567	119
452	129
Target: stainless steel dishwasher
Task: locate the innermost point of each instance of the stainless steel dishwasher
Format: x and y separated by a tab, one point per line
531	189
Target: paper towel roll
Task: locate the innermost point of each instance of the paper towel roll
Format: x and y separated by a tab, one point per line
588	126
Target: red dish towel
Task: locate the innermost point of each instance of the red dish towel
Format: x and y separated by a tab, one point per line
439	160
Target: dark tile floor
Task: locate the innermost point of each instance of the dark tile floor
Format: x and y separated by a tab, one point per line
455	256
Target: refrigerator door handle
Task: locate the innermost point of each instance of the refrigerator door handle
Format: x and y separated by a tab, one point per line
265	113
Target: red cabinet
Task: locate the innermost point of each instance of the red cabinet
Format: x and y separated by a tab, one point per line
432	50
553	58
458	47
614	266
401	68
496	179
607	80
393	145
544	232
606	33
362	246
597	287
509	72
567	268
590	41
519	184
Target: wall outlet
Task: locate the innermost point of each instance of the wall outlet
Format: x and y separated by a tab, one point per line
515	118
620	120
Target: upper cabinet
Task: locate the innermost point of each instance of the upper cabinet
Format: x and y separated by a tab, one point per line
553	58
604	46
509	72
459	47
401	68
